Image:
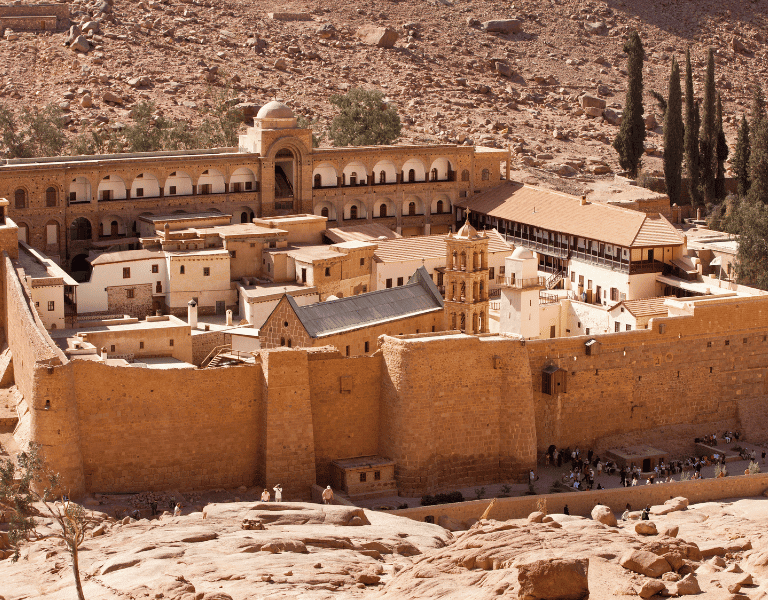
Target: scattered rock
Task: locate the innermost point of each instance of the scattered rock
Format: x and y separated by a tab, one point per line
646	528
326	31
611	116
383	37
80	44
100	530
688	586
650	122
281	64
602	514
109	96
137	82
368	578
645	563
651	587
555	579
503	26
536	517
587	100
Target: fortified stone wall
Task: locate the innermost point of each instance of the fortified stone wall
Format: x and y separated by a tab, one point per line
134	300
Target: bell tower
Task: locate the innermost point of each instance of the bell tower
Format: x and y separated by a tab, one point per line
466	280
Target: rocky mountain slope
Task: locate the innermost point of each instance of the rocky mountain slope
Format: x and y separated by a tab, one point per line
451	78
250	550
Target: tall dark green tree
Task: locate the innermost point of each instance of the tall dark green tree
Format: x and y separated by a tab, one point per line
750	221
673	135
758	108
741	158
629	143
691	135
708	136
721	151
364	119
758	164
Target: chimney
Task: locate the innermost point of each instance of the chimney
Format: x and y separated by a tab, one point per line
192	314
166	231
103	353
229	318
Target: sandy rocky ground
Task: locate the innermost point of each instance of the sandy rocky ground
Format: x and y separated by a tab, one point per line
249	550
451	80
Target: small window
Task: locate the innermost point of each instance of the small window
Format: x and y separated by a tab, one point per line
367	347
629	327
486	174
617	326
249	185
362	477
490	273
170	342
709	344
233	254
171	190
141	345
51	305
139	192
362	264
399	281
129	293
377	475
745	340
389	283
126	272
155	268
206	271
327	271
112	348
181	270
347	350
727	342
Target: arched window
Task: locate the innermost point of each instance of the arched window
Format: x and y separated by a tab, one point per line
482	291
463	291
465	175
463	322
318	180
463	263
453	321
353	211
290	344
20	198
486	174
411	209
282	341
411	176
353	178
80	229
453	294
383	210
481	319
433	175
50	196
383	177
113	227
455	261
324	212
439	207
101	229
243	217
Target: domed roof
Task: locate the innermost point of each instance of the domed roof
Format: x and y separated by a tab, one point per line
274	110
521	252
466	231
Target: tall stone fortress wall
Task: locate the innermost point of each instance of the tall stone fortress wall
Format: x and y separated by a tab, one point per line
449	409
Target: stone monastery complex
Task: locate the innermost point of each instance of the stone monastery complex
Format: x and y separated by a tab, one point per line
283	313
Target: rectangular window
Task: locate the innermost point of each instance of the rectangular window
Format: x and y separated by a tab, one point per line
73	196
139	192
51	305
573	276
141	345
501	270
233	254
171	190
490	273
249	185
614	294
112	348
362	262
129	293
589	284
581	280
546	383
205	188
170	343
327	271
389	283
347	350
362	477
629	327
155	268
367	347
399	281
727	342
377	475
126	272
617	326
206	271
181	270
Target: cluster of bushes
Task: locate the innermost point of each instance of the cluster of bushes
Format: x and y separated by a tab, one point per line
448	498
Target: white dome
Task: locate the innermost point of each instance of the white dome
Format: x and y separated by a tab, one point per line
331	298
274	110
522	253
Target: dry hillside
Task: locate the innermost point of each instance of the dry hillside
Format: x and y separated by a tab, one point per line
451	80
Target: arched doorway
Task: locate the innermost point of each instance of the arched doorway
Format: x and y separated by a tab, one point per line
81	268
80	229
285	173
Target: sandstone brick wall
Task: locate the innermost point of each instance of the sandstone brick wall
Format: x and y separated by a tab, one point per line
139	306
203	343
274	333
582	503
147	429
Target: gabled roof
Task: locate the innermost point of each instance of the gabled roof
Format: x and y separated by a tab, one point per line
645	307
418	296
428	246
560	212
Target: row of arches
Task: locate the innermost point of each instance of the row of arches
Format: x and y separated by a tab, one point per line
384	172
457	292
478	260
386	208
145	185
474	322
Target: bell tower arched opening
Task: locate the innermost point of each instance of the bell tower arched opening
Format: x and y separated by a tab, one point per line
285	174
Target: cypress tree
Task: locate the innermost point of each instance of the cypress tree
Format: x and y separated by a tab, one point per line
629	141
708	137
758	108
741	158
721	151
673	135
691	135
758	164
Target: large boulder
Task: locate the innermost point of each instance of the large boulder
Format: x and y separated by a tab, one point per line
383	37
588	100
687	586
604	515
646	528
645	563
503	26
556	579
651	587
80	44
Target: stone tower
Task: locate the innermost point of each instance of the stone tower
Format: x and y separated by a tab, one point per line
466	280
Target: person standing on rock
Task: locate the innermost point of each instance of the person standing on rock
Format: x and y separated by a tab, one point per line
153	506
265	496
328	495
645	516
278	493
177	510
566	510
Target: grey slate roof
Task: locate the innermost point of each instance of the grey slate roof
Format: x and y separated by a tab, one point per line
418	296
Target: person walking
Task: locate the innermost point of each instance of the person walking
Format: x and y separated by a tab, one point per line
328	495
